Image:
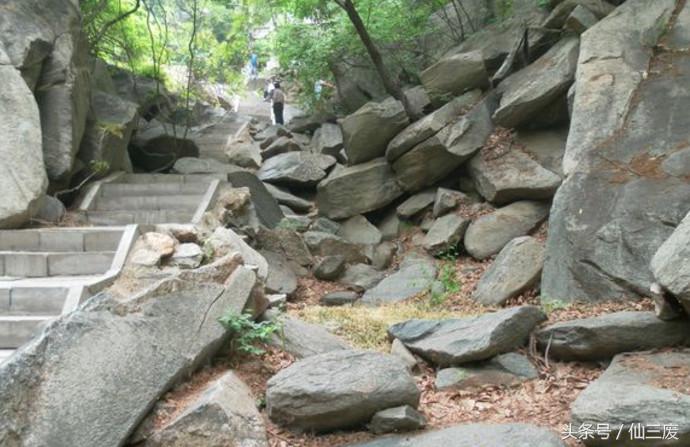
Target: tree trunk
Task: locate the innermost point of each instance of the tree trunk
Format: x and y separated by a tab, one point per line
392	87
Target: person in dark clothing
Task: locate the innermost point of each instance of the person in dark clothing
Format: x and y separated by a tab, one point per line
278	97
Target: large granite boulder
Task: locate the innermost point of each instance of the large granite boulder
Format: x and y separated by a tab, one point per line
445	234
321	243
438	156
359	231
560	14
367	132
328	140
223	413
357	189
512	177
146	343
156	145
341	389
296	169
517	268
474	435
645	390
600	338
285	197
536	87
456	74
416	274
23	178
108	131
265	204
670	265
488	234
302	339
464	340
626	157
430	125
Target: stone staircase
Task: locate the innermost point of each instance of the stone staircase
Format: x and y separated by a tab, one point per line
49	271
213	138
148	199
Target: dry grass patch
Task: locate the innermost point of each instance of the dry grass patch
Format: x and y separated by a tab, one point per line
365	327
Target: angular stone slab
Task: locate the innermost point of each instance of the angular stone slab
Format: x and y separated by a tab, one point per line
670	266
295	168
445	234
601	338
456	74
342	389
463	340
646	389
357	190
416	275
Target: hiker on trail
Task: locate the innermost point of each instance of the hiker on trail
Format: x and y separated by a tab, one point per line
268	90
253	66
318	87
278	97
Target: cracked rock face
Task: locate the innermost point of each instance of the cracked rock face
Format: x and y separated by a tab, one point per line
64	388
626	157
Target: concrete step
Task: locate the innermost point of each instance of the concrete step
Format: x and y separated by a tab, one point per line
152	189
32	301
17	264
152	203
126	217
15	331
61	239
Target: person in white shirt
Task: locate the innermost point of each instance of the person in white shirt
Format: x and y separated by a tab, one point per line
278	98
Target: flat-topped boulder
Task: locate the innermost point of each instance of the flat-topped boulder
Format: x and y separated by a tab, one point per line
601	338
536	87
357	190
649	389
296	168
437	157
430	125
517	268
367	132
474	435
416	274
359	231
488	234
445	234
416	204
512	177
302	339
338	390
464	340
456	74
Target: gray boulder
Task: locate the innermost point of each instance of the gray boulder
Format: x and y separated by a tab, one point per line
390	226
367	132
517	364
50	210
281	278
532	89
445	234
329	268
303	339
512	177
440	155
397	419
517	268
644	389
286	242
285	197
580	20
670	266
143	341
474	378
157	146
357	189
328	140
224	413
384	255
447	200
416	204
242	150
625	189
325	225
266	206
271	134
359	231
282	145
564	9
296	169
416	274
192	165
488	234
23	178
339	298
430	125
546	146
600	338
108	131
463	340
224	241
473	435
327	244
361	277
456	74
342	389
